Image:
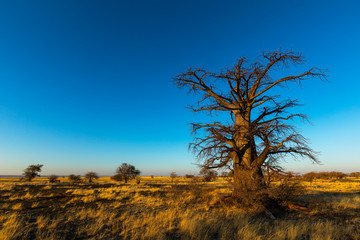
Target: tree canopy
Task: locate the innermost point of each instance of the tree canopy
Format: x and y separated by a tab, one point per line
91	176
32	171
125	172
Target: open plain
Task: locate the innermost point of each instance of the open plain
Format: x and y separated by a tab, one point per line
163	208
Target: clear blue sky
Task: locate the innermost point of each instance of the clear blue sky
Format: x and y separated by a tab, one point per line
87	85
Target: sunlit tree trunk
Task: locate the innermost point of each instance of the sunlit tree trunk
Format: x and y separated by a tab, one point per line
248	178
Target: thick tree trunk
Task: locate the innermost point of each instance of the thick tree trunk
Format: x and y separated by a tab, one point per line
251	191
247	181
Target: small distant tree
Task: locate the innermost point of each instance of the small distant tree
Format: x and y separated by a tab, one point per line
74	178
32	171
173	175
53	178
91	176
208	174
126	172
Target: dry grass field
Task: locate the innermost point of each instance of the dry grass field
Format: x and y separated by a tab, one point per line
158	208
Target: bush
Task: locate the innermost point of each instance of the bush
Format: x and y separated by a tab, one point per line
74	178
286	191
91	176
208	174
324	175
337	175
173	175
53	178
138	180
354	174
310	176
189	176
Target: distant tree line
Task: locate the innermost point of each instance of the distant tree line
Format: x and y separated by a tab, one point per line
126	172
331	175
324	175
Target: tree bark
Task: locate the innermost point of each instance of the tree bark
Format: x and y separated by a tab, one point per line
247	181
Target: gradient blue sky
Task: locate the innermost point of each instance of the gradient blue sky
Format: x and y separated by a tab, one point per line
87	85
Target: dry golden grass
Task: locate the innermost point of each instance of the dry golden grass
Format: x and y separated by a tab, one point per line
349	185
159	209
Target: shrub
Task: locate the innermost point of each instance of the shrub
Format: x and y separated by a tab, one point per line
324	175
189	176
91	175
74	178
173	175
138	180
286	190
208	174
354	174
53	178
310	176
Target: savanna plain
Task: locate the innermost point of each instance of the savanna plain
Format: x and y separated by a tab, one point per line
175	208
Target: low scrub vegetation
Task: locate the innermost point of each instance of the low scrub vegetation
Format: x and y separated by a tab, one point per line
324	175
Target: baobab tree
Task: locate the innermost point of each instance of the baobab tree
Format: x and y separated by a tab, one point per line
258	131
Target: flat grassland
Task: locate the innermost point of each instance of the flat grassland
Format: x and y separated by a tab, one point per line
159	208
